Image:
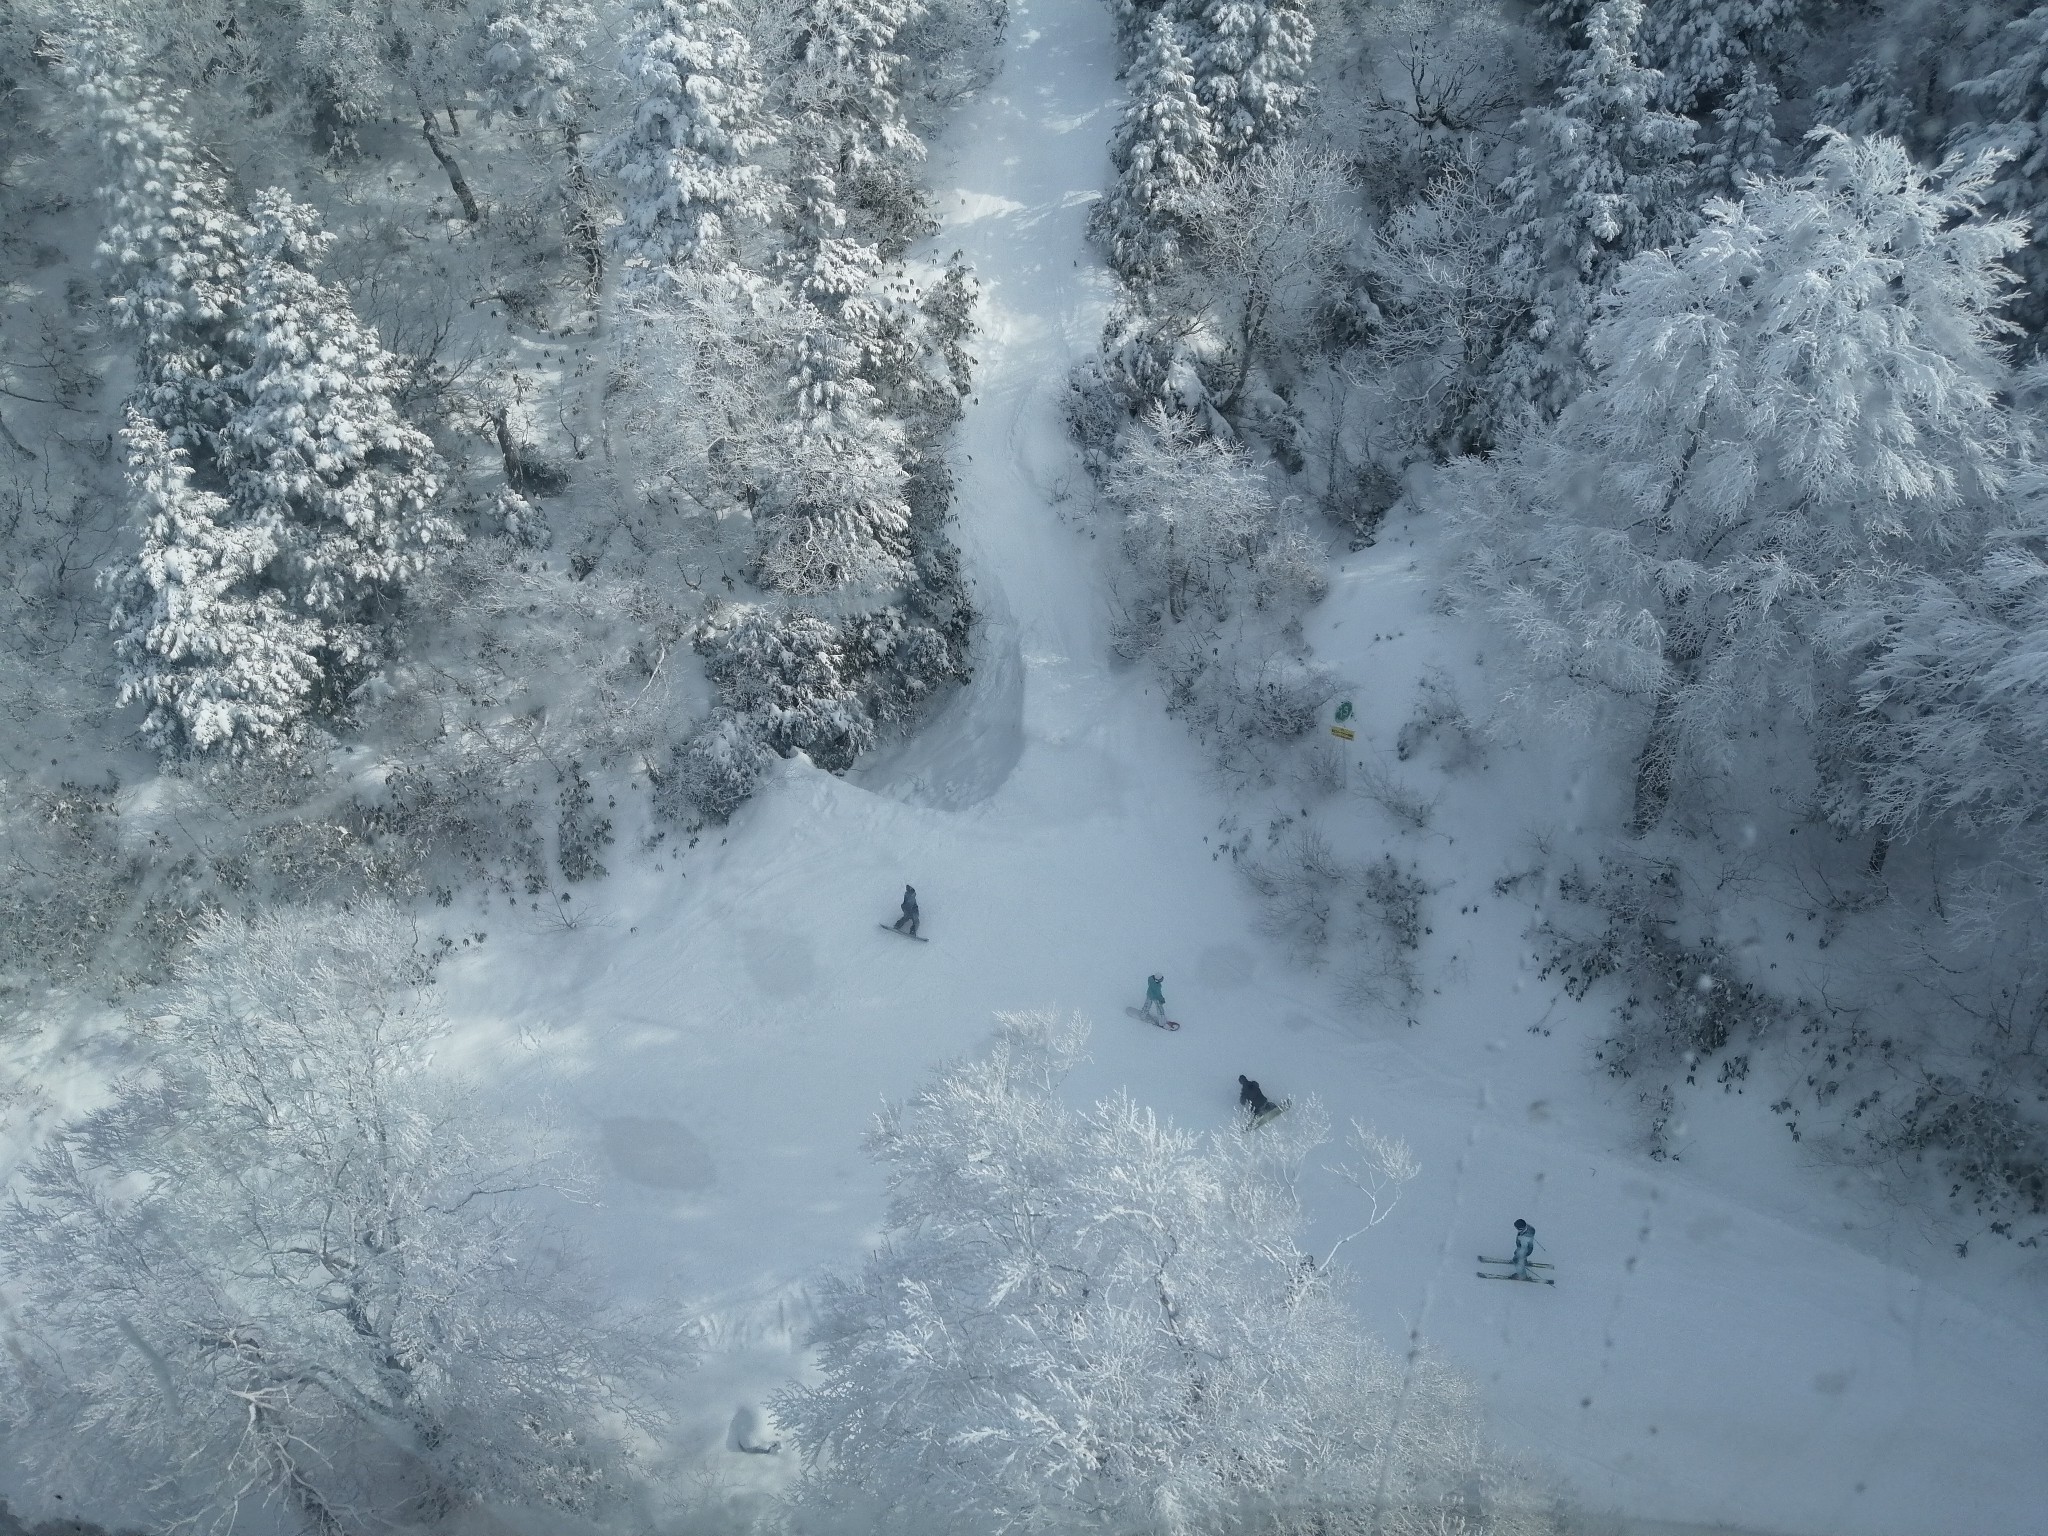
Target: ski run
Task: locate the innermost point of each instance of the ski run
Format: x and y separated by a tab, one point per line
1741	1342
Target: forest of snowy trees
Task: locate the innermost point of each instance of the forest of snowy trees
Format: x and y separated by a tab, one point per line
440	441
1711	333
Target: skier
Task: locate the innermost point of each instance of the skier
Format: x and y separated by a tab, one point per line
1155	999
1525	1244
1251	1096
908	921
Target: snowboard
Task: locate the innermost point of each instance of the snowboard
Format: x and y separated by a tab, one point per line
1155	1023
902	935
1510	1263
1529	1279
1270	1112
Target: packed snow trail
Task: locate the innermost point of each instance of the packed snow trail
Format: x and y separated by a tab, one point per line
725	1022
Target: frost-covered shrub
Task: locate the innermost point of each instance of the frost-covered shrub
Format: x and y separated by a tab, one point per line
65	882
1994	1151
582	832
792	677
1366	920
1685	1000
790	681
1438	720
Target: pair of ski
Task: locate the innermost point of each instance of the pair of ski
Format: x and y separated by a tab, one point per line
1507	1263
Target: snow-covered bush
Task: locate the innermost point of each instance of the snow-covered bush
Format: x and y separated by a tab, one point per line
790	681
1686	1000
297	1264
1365	919
66	883
1093	1318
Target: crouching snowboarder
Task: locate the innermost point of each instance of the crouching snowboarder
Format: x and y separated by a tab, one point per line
907	923
1253	1098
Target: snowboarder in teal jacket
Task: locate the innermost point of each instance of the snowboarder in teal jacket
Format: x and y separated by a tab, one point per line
1155	998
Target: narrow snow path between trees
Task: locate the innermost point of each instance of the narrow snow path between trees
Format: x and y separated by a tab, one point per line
725	1021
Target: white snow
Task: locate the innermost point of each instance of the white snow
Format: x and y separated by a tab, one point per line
1732	1341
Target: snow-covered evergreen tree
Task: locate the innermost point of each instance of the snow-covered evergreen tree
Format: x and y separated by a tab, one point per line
295	1264
170	241
683	162
1809	387
1745	135
206	643
1601	174
791	682
1702	48
834	514
315	452
533	68
1090	1318
1251	62
1162	150
847	109
2014	96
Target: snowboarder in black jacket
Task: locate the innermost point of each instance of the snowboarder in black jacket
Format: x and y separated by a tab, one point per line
907	923
1251	1096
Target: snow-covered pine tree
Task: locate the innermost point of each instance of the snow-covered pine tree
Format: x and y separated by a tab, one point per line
1745	135
206	643
2014	96
848	97
1251	61
315	453
1601	174
1162	150
1809	387
533	68
171	244
682	162
1093	1319
834	515
1703	47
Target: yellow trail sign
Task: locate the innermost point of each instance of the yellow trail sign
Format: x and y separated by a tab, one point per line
1344	731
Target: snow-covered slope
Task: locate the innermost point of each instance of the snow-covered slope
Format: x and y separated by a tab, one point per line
725	1022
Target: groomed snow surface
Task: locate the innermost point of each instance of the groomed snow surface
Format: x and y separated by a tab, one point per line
1732	1341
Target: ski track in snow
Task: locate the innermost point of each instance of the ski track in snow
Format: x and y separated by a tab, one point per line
726	1023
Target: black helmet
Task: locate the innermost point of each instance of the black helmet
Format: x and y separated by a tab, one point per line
1520	1224
1242	1078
